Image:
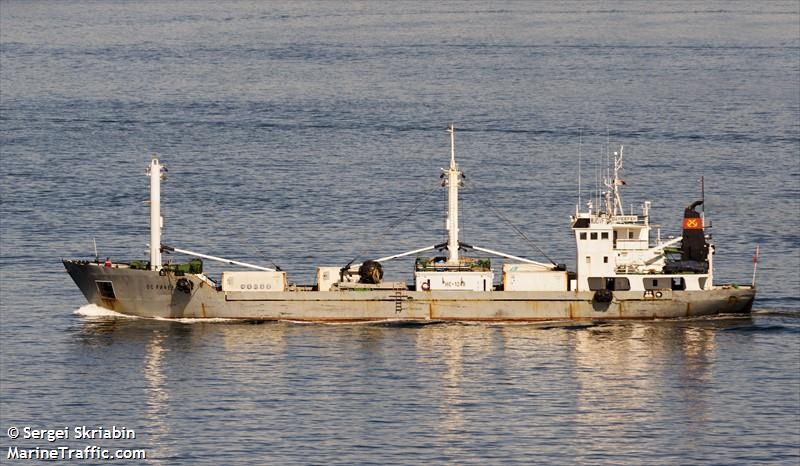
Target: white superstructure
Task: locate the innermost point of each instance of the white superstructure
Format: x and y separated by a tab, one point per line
614	250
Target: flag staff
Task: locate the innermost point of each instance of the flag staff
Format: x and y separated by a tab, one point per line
755	265
703	198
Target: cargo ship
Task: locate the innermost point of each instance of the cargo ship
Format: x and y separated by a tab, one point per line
620	274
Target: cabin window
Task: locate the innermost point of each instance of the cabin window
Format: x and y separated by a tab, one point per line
588	259
106	290
604	235
583	235
678	283
609	283
605	259
594	235
702	281
597	283
657	283
630	235
618	284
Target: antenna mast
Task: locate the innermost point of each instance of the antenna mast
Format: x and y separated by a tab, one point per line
703	198
608	158
617	182
580	142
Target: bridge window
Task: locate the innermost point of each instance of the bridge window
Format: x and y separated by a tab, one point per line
594	235
609	283
630	235
604	235
597	283
657	283
618	283
583	235
106	290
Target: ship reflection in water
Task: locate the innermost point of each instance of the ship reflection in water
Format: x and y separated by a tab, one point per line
441	392
157	396
627	375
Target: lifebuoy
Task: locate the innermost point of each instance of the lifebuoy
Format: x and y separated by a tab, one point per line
659	294
426	286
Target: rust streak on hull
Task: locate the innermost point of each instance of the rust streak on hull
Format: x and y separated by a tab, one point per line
146	294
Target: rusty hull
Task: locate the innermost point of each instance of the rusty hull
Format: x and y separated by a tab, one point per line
148	294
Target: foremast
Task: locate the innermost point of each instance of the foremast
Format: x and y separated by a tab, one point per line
156	172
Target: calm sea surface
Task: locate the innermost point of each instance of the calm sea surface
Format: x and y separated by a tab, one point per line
298	133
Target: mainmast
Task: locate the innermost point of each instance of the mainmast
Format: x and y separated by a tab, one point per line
613	199
155	171
618	181
453	180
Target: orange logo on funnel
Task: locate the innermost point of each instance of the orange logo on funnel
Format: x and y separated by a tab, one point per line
692	223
